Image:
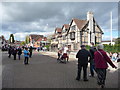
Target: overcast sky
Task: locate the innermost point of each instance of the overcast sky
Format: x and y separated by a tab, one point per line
23	18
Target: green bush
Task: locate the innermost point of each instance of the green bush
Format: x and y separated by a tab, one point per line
109	48
47	46
112	48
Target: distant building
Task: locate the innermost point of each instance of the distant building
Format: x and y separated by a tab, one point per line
3	41
78	32
37	40
17	43
108	42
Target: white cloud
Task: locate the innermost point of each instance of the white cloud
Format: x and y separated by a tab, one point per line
22	35
6	34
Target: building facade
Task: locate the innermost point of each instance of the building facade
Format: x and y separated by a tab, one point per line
79	32
37	40
3	41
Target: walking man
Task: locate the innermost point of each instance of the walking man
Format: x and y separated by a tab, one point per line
26	55
14	52
82	56
30	50
92	65
10	51
19	52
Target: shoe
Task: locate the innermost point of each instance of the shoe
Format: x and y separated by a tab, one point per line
91	75
98	86
86	80
77	79
102	86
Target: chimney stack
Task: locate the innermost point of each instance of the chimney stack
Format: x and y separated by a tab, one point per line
91	35
89	15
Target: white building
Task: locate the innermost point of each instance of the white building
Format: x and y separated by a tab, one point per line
79	32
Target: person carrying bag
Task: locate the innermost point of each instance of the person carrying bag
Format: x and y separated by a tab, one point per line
101	59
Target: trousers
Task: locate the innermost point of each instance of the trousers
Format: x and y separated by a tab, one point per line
101	76
80	66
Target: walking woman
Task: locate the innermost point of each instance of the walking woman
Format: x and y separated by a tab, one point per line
101	59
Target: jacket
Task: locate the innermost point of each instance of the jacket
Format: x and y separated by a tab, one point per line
26	53
82	56
102	59
92	51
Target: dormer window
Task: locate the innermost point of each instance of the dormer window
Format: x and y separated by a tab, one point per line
72	35
59	32
64	37
73	27
63	30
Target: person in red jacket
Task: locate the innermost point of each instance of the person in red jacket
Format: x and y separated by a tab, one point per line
101	59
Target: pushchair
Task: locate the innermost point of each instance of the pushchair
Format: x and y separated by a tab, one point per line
64	58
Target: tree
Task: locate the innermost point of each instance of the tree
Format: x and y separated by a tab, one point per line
11	39
27	40
22	43
117	41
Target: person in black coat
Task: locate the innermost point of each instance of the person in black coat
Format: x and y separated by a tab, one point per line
9	51
14	52
82	56
19	52
30	50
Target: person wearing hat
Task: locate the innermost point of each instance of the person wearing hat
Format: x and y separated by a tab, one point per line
26	55
82	56
101	59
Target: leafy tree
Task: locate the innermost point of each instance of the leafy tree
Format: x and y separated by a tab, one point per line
22	43
117	41
27	40
11	39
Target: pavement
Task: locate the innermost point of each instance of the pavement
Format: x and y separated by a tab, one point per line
43	71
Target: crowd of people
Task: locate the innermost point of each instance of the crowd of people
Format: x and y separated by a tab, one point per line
98	60
115	57
96	56
27	51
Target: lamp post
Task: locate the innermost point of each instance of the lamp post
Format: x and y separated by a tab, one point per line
111	26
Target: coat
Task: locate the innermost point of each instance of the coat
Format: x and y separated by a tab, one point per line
102	59
82	56
92	51
19	51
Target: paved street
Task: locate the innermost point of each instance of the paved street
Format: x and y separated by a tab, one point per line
44	72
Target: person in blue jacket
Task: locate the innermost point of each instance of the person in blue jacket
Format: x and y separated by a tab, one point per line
26	55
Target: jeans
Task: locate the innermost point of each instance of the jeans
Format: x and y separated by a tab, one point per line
26	60
19	57
92	69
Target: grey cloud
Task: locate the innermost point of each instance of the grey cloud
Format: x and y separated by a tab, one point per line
21	15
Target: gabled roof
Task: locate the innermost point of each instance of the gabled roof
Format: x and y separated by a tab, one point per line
66	26
80	23
97	25
58	30
36	37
